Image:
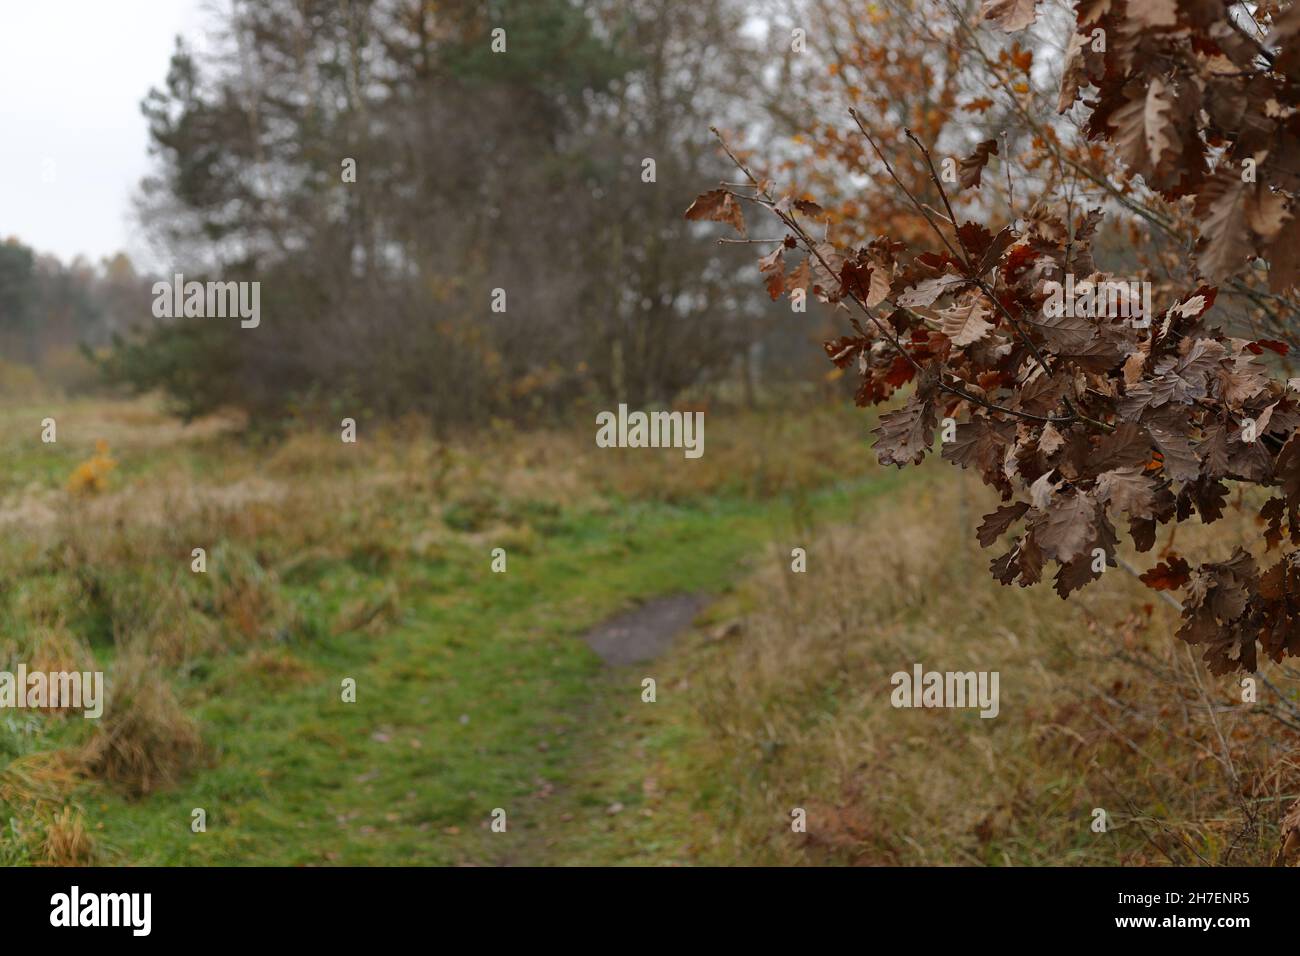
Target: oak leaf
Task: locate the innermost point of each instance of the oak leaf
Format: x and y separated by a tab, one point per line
1010	15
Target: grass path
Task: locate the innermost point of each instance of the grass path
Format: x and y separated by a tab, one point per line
482	696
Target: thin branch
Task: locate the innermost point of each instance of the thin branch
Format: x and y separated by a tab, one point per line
972	273
906	192
794	226
1178	606
1253	40
943	194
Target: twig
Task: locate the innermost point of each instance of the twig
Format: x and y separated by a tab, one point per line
794	226
1178	606
906	192
972	273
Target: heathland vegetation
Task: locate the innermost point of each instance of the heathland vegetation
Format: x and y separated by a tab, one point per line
476	691
465	226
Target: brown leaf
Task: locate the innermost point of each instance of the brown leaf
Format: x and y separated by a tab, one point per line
1145	137
1143	533
1225	241
1067	527
1127	490
799	278
905	435
1178	456
1155	13
717	205
1240	380
1010	15
1126	446
972	167
1065	334
866	280
1075	574
979	443
772	265
1041	394
1074	73
1267	212
827	264
1169	575
1133	367
707	205
1288	839
1050	440
996	524
965	323
925	292
1084	236
1283	255
809	208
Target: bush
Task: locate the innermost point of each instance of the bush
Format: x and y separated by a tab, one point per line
144	742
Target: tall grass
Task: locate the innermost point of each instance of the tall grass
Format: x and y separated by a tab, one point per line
1101	709
96	556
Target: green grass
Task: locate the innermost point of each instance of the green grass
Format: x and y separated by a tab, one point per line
477	691
482	695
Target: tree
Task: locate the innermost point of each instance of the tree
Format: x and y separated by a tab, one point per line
1082	410
476	171
17	298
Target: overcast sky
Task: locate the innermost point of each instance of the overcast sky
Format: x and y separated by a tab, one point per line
72	140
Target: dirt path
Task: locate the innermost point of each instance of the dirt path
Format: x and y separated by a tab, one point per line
586	811
645	632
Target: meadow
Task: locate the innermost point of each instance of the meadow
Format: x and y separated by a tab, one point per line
476	691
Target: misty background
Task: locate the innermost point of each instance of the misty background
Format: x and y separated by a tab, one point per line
215	146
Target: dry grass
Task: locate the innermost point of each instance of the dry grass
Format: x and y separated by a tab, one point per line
52	648
36	778
112	568
66	841
1100	708
144	741
49	830
371	614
